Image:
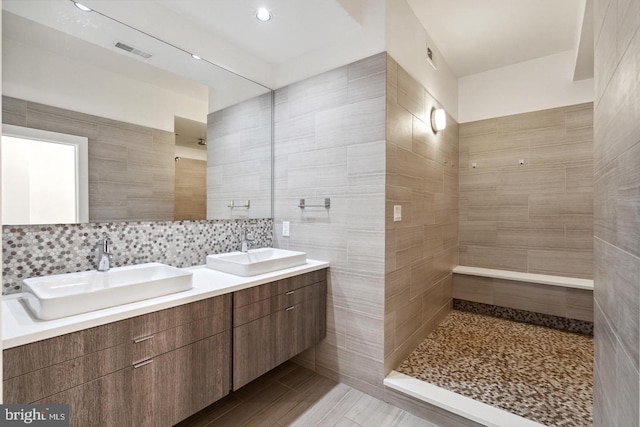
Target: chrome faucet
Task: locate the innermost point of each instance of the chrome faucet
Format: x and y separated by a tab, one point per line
104	253
246	240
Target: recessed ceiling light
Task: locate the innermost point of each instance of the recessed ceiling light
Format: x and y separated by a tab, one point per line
82	7
263	14
194	56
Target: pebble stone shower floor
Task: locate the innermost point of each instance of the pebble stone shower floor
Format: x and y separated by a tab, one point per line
543	374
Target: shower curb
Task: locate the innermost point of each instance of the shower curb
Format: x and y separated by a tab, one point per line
455	403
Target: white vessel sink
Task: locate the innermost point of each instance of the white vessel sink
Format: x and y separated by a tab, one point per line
256	261
61	295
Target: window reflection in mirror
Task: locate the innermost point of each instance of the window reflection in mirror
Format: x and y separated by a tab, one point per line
44	177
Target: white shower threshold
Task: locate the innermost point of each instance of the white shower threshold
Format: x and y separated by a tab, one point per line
455	403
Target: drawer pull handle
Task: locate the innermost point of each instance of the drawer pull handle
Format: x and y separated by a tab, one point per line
141	364
136	341
291	308
289	293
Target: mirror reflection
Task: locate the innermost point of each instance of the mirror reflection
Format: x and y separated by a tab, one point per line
169	136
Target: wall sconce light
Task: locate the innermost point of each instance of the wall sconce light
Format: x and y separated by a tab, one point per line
438	119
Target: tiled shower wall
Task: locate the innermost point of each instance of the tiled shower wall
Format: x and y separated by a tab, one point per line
191	190
330	143
38	250
422	249
617	213
131	167
536	217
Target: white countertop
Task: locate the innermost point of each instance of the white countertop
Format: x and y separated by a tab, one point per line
20	327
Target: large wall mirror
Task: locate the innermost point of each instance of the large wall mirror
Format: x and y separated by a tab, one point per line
170	136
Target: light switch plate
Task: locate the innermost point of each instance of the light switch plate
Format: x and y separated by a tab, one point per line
285	228
397	212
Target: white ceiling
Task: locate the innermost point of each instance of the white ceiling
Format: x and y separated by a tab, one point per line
472	36
227	32
297	26
475	36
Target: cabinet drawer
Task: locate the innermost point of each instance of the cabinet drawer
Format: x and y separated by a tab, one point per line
40	354
262	292
53	379
106	401
298	326
30	357
218	307
159	393
268	341
39	384
177	384
265	307
170	339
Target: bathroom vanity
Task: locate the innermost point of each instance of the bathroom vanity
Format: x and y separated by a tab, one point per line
156	362
275	321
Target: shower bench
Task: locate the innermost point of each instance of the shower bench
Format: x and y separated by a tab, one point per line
562	297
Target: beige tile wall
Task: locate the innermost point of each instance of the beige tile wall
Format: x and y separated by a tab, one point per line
536	217
422	249
239	159
559	301
390	283
617	213
329	142
191	190
131	167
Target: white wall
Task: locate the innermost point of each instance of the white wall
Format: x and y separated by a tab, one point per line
38	76
406	41
360	44
533	85
228	95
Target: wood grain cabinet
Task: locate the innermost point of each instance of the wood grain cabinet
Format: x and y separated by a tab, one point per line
276	321
159	368
151	370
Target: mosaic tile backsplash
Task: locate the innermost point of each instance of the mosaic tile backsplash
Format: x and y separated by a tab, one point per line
40	250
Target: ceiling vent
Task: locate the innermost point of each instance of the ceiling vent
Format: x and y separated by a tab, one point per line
431	58
133	50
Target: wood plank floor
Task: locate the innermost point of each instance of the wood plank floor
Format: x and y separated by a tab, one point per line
291	395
